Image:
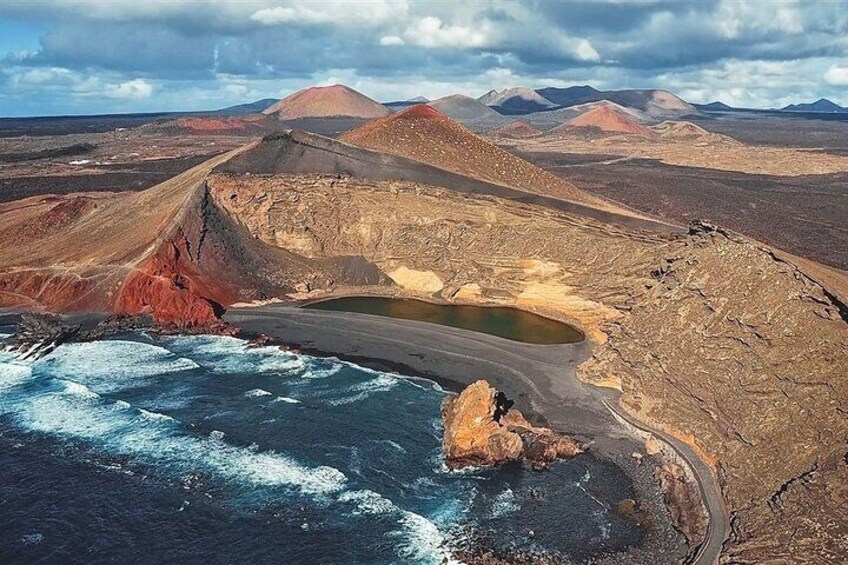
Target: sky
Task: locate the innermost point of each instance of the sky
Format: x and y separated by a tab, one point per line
110	56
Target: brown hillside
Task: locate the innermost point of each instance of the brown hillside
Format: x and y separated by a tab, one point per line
516	130
326	102
609	120
424	134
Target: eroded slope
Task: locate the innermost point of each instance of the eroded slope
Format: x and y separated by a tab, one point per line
423	134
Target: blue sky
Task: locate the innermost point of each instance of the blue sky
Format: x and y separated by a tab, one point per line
100	56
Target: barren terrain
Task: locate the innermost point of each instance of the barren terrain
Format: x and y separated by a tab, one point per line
709	151
805	215
714	338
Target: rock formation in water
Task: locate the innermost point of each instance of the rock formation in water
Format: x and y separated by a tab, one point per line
39	334
483	429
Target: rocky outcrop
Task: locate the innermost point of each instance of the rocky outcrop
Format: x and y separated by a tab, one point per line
39	334
160	288
483	429
683	502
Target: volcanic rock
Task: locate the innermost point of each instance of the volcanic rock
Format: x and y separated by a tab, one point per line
210	124
684	503
424	134
608	119
39	334
516	130
325	102
516	100
482	429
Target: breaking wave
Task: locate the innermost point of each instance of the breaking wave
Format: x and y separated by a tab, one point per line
112	365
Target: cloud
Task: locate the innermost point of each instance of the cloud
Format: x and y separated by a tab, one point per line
837	75
432	32
135	89
750	52
392	40
335	12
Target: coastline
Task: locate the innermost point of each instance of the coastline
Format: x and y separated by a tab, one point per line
540	378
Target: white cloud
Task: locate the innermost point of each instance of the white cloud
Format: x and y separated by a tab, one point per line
837	75
391	40
46	75
136	89
431	31
585	52
337	12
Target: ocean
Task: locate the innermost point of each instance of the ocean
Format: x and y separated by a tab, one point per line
199	449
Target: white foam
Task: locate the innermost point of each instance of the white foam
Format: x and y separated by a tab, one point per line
424	542
368	502
32	539
286	399
421	542
257	392
157	441
505	503
230	355
12	372
363	390
155	416
111	365
315	368
77	389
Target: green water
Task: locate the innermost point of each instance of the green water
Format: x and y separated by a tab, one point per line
508	323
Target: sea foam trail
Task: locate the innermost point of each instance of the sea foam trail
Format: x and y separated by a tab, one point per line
230	355
366	389
67	404
112	365
72	411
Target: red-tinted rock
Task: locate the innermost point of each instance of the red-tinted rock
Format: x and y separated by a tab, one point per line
482	429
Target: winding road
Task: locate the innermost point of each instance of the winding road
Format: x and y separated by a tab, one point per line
542	379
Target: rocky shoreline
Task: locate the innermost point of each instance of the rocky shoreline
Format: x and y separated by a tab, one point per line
516	437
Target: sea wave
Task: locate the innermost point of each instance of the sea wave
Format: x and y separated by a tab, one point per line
158	440
424	542
12	371
109	366
286	399
504	503
368	502
230	355
383	383
419	539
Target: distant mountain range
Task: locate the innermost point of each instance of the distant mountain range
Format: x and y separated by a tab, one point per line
493	108
652	102
401	104
256	107
820	105
715	106
516	101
